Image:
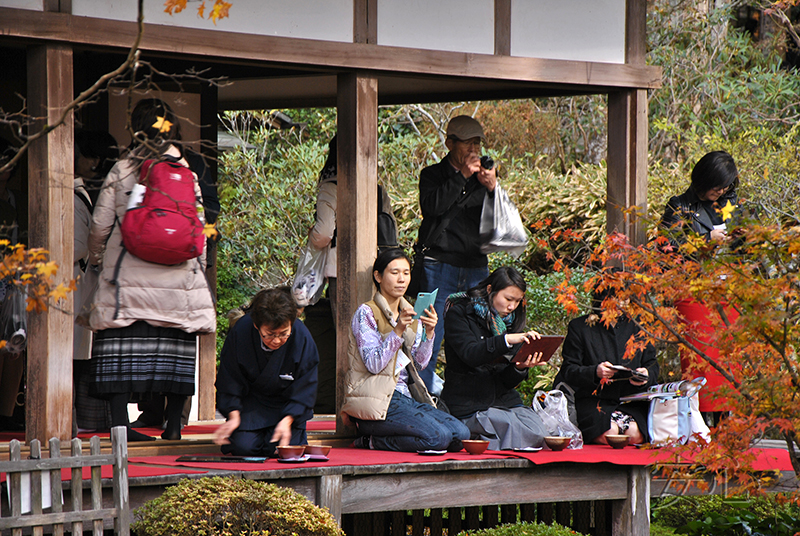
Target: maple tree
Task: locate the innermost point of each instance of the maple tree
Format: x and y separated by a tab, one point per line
757	275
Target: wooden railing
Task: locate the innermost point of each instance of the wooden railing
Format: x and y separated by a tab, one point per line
57	516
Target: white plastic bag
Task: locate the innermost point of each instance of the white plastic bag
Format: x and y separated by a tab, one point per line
14	318
501	227
551	407
309	280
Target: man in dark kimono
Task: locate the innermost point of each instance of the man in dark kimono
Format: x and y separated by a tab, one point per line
267	380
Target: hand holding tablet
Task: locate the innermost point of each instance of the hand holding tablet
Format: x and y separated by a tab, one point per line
546	345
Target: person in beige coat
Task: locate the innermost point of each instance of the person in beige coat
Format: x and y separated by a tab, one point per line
146	316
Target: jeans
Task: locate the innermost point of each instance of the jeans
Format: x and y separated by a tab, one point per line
411	426
448	279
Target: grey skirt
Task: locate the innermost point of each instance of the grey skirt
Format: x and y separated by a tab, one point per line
507	428
140	359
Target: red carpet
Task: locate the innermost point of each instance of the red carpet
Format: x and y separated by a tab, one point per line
766	459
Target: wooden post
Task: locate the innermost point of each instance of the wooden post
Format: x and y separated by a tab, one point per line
50	186
356	215
365	21
329	495
207	351
502	27
631	516
627	137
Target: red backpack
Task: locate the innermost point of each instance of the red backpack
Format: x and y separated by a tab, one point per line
165	227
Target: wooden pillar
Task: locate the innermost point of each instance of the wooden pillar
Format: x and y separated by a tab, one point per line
627	137
356	217
329	495
365	21
631	516
207	352
48	410
502	27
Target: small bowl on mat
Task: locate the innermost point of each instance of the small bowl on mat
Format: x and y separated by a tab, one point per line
557	443
317	450
475	446
617	441
290	451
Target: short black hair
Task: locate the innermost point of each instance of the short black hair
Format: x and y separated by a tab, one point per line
272	308
152	120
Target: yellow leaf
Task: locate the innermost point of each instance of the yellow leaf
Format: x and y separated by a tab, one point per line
201	11
210	230
727	210
162	124
25	277
220	10
2	344
59	293
49	269
174	6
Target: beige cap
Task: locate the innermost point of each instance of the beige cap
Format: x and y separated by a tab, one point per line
464	127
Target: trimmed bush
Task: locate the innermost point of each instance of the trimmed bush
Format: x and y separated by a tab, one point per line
232	506
524	529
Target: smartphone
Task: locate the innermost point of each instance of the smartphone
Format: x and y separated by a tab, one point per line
424	300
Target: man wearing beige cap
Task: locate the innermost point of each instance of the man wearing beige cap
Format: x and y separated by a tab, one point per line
451	196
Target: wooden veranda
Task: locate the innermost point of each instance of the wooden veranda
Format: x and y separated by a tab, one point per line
350	54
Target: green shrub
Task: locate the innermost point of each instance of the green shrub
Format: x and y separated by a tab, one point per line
679	511
231	506
524	529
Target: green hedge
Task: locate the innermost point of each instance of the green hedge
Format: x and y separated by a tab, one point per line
524	529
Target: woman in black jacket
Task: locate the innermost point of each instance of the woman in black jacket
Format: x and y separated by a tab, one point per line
707	203
483	328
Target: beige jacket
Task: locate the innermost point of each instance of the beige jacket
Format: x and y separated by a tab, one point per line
167	296
368	395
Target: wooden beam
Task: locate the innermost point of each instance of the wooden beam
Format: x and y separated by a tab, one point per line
51	212
356	217
627	164
365	21
502	27
229	46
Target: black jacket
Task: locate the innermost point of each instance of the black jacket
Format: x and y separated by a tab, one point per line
478	375
687	212
265	386
440	188
587	346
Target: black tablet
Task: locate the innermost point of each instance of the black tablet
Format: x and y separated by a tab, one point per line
222	459
547	345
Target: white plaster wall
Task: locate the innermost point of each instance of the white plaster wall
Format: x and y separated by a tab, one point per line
454	25
330	20
34	5
587	30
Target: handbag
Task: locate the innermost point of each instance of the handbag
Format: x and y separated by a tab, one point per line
501	227
309	280
672	421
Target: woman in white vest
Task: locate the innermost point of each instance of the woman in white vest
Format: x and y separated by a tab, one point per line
385	343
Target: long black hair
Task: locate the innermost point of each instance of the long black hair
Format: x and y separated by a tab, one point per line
385	258
715	170
503	277
330	167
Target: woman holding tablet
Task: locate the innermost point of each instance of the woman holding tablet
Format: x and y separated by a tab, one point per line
483	329
385	343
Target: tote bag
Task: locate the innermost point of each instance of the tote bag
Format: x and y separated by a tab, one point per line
674	421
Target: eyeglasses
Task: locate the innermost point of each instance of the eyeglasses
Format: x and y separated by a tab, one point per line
273	336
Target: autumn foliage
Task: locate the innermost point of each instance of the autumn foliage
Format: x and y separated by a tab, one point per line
219	10
755	275
33	272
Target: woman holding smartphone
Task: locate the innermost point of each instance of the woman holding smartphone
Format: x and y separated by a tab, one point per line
483	329
386	341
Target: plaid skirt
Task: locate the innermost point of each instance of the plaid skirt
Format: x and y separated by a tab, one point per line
142	359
